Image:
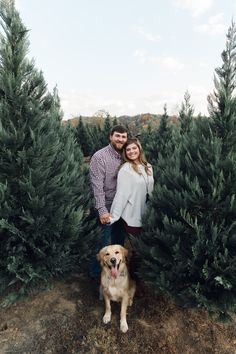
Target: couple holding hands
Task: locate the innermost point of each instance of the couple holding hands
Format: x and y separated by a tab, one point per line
122	182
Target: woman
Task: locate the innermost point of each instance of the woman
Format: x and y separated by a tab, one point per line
134	187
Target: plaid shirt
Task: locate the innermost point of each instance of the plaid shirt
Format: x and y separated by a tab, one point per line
104	167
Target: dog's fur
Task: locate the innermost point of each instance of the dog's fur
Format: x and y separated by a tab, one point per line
116	284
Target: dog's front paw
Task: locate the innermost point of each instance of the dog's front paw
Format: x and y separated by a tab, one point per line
107	318
123	326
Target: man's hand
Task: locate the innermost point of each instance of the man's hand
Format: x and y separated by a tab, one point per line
105	218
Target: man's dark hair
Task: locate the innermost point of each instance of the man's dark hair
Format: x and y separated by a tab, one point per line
119	129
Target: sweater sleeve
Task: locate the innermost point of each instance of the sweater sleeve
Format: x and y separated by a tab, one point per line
151	185
122	195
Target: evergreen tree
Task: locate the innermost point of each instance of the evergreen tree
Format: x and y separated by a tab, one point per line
159	140
106	130
188	243
83	138
165	135
115	122
97	137
222	103
186	114
145	137
44	195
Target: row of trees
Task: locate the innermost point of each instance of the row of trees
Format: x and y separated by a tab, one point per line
156	133
93	137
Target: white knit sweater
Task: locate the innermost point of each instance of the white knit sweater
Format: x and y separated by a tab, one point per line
130	198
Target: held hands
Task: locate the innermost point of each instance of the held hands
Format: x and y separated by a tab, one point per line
105	218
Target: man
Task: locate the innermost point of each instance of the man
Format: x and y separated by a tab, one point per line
104	168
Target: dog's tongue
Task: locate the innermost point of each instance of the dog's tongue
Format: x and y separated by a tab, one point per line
114	272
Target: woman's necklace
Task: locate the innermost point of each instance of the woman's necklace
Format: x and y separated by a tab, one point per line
146	184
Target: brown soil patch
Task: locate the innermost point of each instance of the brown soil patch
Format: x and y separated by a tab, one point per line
68	319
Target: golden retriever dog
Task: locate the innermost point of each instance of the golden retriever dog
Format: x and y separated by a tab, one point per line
116	284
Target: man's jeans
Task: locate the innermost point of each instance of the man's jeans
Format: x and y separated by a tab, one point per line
111	234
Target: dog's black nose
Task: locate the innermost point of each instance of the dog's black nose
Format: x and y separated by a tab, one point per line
113	261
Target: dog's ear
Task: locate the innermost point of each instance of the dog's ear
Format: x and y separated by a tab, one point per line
125	252
101	254
98	256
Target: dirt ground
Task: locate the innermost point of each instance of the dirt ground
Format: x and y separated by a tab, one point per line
68	319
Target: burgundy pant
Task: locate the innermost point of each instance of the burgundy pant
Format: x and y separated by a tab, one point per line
132	230
134	262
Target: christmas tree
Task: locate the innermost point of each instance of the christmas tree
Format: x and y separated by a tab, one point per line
96	136
106	130
188	243
44	196
158	141
186	114
84	139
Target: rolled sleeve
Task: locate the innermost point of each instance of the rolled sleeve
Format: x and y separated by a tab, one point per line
97	177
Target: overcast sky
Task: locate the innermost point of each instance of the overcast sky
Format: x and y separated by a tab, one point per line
127	56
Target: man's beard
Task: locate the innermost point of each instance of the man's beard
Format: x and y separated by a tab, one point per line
116	148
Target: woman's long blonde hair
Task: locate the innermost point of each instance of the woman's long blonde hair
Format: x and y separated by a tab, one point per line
142	158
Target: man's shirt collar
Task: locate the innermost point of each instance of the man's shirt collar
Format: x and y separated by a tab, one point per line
114	152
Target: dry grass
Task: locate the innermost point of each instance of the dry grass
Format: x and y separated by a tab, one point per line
68	319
